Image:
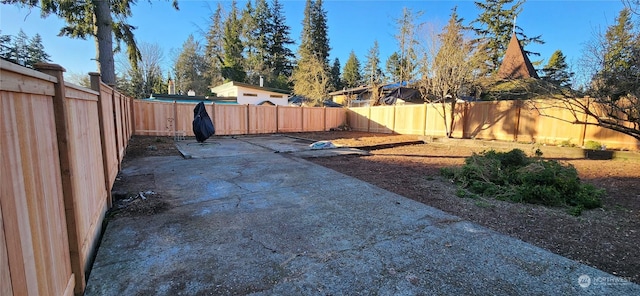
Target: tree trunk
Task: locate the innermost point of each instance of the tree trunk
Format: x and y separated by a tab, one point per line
452	117
104	41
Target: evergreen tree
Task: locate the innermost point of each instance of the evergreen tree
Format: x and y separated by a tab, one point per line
351	75
257	30
495	24
406	38
336	81
320	37
189	69
35	52
23	50
311	76
5	46
233	62
214	49
393	67
280	56
311	80
103	20
306	36
620	69
557	71
372	73
19	51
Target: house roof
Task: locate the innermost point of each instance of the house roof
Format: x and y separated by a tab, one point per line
354	90
516	64
251	86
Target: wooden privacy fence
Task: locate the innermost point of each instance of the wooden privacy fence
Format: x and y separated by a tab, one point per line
525	121
61	147
171	119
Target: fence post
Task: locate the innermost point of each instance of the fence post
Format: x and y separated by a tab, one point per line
277	120
248	122
517	127
62	135
424	119
95	85
324	118
213	117
369	118
175	117
393	119
583	129
302	118
133	117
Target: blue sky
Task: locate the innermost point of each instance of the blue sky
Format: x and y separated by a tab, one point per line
353	25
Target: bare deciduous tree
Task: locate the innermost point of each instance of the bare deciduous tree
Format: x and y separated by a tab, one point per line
146	78
612	63
450	62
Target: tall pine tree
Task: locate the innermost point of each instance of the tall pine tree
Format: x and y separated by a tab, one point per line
495	25
233	62
311	76
557	71
189	69
619	74
336	81
280	55
214	49
372	73
35	51
407	42
257	31
393	67
351	76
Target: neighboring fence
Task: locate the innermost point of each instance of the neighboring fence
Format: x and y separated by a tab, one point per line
496	120
171	119
61	146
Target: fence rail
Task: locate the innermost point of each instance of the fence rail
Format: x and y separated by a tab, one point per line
526	121
61	147
170	119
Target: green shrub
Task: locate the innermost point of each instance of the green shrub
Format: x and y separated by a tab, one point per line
593	145
516	177
567	143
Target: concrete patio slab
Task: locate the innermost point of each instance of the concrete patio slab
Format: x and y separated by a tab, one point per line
244	220
217	146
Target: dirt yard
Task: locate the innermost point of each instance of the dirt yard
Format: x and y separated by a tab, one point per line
605	238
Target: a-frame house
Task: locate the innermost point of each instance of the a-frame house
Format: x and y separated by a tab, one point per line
516	64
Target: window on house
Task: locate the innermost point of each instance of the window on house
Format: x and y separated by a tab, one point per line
249	95
275	96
